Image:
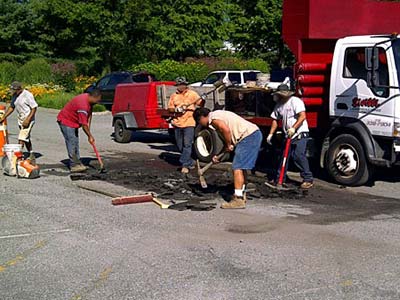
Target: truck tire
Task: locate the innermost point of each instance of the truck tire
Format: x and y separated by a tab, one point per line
121	133
346	161
207	144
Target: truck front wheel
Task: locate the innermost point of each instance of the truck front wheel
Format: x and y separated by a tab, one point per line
121	133
346	161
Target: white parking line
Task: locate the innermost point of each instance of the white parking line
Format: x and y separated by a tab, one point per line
34	233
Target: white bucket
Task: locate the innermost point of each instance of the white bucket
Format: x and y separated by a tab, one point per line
10	149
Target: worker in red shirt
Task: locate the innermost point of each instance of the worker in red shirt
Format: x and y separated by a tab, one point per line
76	114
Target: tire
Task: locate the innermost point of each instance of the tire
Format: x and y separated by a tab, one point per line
207	144
121	133
346	161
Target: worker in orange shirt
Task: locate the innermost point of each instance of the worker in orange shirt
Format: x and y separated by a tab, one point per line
183	103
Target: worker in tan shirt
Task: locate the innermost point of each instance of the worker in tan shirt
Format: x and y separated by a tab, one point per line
184	102
243	138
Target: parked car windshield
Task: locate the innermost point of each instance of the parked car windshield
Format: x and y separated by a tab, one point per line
103	82
119	78
213	78
143	77
396	50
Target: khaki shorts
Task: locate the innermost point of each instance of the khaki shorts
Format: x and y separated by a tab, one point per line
25	133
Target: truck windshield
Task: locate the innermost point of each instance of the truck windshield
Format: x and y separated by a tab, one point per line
396	50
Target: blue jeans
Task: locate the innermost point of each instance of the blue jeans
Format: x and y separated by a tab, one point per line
298	151
71	138
246	152
184	140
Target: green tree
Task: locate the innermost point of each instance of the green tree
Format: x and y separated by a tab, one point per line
17	31
259	30
179	29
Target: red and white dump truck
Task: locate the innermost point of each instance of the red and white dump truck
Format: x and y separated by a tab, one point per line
348	75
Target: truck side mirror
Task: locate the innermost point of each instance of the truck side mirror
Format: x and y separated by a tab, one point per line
372	66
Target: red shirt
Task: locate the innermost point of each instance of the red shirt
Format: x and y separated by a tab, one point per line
76	112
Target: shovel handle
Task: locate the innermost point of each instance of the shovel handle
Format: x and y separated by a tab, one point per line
97	155
284	161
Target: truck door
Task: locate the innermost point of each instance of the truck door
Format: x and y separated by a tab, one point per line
352	98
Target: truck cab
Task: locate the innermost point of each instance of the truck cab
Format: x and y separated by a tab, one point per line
365	117
347	74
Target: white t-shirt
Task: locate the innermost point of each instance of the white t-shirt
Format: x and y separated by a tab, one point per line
288	112
23	105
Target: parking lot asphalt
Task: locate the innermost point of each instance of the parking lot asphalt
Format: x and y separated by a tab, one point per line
59	241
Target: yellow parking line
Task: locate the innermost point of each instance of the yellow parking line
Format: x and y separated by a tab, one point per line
103	276
21	256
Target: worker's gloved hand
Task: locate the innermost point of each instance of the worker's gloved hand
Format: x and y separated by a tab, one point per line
2	119
269	139
179	109
291	132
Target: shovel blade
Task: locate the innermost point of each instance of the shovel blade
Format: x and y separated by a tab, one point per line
203	182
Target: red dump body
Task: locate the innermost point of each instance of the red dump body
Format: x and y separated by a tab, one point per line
311	29
141	100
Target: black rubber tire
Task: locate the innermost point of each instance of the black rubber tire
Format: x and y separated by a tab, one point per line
364	170
121	133
207	144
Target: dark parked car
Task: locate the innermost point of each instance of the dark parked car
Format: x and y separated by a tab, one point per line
108	83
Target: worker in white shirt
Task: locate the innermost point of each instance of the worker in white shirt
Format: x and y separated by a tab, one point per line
24	104
292	112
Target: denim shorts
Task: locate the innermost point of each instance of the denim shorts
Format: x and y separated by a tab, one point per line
246	152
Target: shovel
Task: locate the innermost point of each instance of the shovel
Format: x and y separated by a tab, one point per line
102	169
201	171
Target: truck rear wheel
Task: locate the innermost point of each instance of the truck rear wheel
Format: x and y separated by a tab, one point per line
207	144
346	161
122	134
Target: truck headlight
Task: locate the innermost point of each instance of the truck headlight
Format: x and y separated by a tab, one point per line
396	130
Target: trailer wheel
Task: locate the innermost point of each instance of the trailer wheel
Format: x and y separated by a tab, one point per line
346	161
207	144
122	134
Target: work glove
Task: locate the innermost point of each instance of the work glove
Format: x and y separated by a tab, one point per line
179	109
269	139
291	132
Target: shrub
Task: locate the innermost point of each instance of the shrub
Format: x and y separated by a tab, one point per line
64	74
5	95
99	108
232	63
170	69
197	69
82	82
8	71
37	70
55	100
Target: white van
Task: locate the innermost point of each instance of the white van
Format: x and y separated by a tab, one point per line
235	77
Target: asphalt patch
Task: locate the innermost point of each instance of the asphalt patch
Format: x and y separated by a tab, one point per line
154	175
158	175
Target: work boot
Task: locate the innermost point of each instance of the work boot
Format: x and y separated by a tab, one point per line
78	168
306	185
235	203
185	170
